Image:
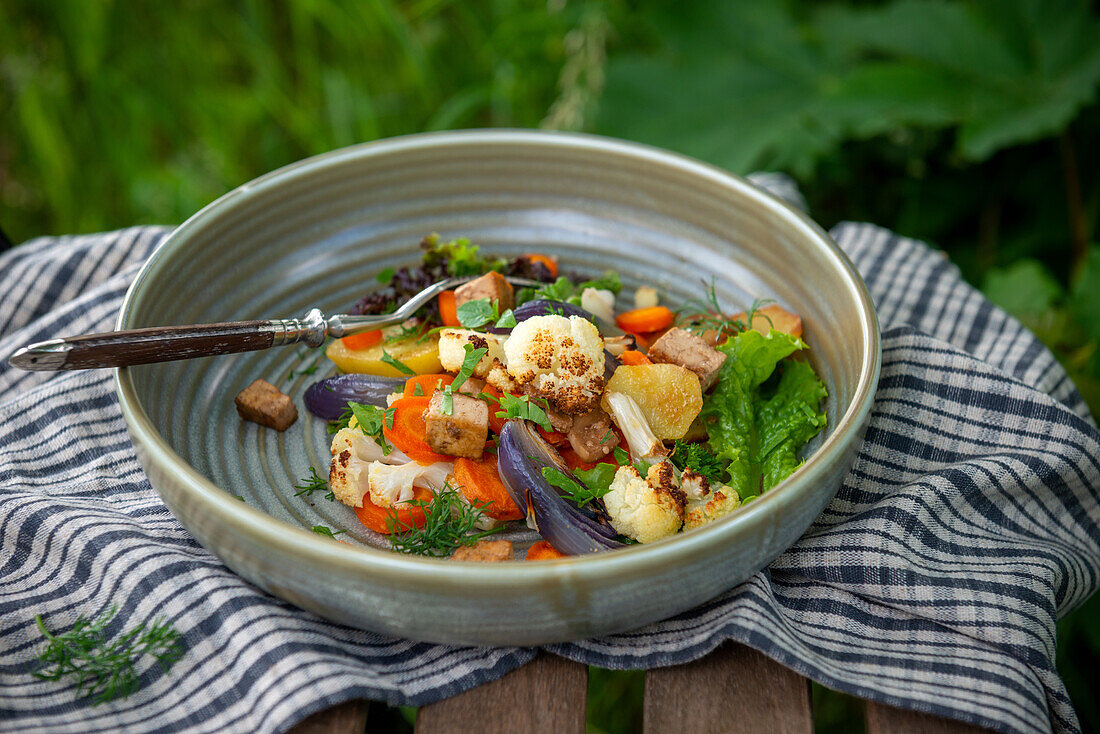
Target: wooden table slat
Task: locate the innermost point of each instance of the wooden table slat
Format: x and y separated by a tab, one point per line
548	694
734	689
345	718
882	719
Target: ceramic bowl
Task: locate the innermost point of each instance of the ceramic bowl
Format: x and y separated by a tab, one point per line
316	233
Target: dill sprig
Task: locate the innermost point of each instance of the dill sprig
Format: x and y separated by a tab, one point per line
100	669
707	315
449	522
313	483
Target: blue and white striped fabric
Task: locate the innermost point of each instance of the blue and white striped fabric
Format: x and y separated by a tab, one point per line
968	525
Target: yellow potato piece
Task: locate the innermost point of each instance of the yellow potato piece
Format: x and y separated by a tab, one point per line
423	358
668	395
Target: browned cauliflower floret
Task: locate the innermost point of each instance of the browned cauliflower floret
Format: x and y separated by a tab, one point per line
705	503
560	358
645	509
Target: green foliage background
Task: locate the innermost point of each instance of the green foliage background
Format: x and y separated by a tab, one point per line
973	125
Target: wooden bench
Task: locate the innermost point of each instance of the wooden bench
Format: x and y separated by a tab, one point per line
734	689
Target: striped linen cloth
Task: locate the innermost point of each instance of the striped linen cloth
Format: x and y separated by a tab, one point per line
967	526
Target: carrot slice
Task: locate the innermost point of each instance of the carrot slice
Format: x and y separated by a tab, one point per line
378	518
543	551
448	309
633	357
363	341
408	430
480	484
428	384
645	320
551	264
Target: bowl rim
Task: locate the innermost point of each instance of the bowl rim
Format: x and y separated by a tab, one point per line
403	569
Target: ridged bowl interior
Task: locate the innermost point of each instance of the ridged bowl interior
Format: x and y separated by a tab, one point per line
317	232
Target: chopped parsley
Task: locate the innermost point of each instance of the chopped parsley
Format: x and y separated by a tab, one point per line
469	364
477	313
385	275
522	407
370	419
449	522
699	459
596	482
396	364
507	320
326	531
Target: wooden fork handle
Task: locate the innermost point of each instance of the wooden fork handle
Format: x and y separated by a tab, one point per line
145	346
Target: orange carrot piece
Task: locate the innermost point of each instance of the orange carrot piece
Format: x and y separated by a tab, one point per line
480	484
428	384
633	357
543	551
448	309
378	518
645	320
408	430
363	341
551	264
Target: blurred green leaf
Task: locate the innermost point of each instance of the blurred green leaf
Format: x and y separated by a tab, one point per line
1023	288
1085	295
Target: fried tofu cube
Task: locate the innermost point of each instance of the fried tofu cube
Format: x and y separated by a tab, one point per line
485	551
683	348
263	403
463	431
493	286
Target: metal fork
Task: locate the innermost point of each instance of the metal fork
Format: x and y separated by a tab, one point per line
170	343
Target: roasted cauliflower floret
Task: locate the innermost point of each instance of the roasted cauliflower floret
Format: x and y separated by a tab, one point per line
391	484
560	359
645	509
352	453
705	503
452	349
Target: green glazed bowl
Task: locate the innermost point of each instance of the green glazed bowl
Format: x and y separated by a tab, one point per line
316	233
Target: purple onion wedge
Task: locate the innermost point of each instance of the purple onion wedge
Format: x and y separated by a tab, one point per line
521	456
327	398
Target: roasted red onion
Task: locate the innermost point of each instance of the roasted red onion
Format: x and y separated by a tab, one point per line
327	398
521	456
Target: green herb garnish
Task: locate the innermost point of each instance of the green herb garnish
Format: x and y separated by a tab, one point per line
700	459
313	483
396	363
469	364
621	457
600	477
418	390
507	320
385	275
100	669
370	419
559	290
521	407
326	531
449	522
477	313
341	422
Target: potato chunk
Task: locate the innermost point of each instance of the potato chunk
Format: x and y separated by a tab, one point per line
668	395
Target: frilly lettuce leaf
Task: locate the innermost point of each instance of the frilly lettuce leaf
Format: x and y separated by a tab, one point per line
760	438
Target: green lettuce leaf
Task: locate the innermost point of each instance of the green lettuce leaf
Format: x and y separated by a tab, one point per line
737	433
787	420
